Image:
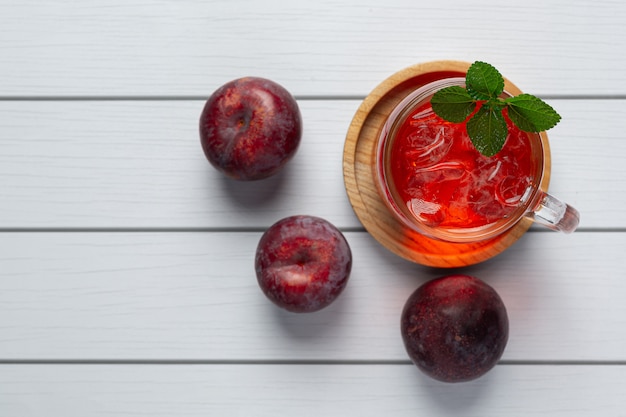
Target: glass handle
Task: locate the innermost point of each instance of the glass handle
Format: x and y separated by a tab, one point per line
555	214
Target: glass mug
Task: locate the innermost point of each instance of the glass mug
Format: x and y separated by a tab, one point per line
436	183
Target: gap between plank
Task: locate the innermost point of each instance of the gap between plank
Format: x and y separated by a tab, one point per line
303	97
163	98
259	229
288	362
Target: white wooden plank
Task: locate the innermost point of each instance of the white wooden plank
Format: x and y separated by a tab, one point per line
158	298
306	390
162	47
194	296
87	164
139	164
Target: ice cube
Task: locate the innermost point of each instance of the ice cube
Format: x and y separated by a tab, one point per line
428	144
511	190
443	171
483	202
427	212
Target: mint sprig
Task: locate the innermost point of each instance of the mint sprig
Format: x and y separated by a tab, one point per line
487	128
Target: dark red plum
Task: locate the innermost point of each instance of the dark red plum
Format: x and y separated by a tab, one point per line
250	128
303	263
455	328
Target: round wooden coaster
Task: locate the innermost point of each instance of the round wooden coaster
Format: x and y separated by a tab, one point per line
359	170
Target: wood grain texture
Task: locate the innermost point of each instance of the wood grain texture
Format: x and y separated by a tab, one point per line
153	309
306	390
194	296
139	164
161	47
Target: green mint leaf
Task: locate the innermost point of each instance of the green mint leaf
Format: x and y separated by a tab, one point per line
483	81
531	114
488	127
488	131
496	104
453	104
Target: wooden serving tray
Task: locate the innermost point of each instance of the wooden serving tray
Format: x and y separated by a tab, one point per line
359	170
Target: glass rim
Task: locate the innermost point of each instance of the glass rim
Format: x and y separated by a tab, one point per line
385	140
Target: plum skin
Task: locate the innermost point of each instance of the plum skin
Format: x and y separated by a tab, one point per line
455	328
303	263
250	128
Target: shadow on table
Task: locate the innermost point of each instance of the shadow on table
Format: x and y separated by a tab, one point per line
316	325
457	398
255	194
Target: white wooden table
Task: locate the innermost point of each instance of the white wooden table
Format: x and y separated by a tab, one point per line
126	262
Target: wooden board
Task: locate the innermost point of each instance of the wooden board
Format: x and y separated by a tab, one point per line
361	184
138	164
306	390
194	296
189	48
126	281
